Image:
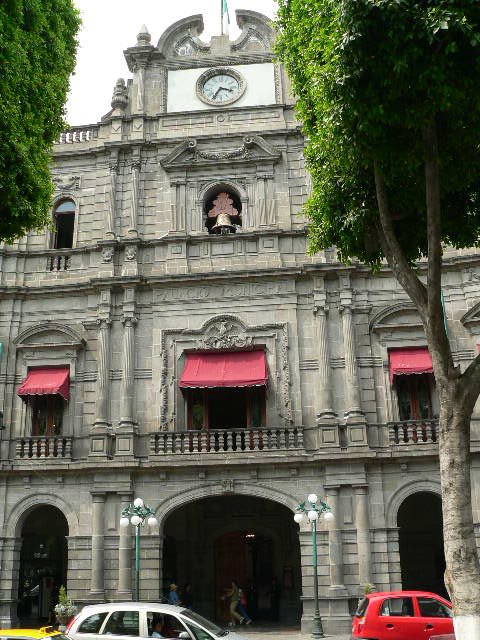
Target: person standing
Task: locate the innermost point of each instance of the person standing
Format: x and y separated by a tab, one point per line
173	595
187	596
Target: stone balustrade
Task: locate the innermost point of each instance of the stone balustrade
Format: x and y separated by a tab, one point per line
50	447
413	432
226	441
78	134
58	262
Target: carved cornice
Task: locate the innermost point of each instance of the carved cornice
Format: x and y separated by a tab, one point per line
253	149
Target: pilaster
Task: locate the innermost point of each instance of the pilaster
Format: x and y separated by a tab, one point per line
97	587
335	541
124	591
362	521
127	427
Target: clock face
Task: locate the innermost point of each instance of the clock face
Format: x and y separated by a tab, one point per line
220	87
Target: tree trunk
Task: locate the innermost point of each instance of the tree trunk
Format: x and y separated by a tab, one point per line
462	575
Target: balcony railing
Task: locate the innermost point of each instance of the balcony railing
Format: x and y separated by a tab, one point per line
58	262
51	447
413	432
226	441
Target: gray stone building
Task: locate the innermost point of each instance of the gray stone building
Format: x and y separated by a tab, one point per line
169	339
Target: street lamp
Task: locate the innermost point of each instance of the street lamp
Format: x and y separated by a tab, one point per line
313	508
137	514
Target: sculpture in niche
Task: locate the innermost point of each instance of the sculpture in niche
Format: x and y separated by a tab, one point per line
224	214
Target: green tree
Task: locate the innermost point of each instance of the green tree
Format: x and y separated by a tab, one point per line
389	95
37	56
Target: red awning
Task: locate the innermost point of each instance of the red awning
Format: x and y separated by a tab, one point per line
46	381
238	369
409	361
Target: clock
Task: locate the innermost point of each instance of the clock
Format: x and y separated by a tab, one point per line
220	87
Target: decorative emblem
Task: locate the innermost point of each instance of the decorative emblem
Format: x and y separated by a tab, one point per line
131	253
107	254
228	486
222	337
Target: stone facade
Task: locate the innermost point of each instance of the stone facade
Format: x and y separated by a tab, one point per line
144	283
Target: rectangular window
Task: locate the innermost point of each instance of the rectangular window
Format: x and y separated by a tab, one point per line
414	394
47	414
226	408
397	607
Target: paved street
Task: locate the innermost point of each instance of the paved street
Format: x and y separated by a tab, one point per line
283	634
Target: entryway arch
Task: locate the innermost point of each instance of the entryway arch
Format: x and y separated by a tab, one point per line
215	539
420	529
43	562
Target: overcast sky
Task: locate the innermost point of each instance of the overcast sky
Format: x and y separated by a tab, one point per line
110	26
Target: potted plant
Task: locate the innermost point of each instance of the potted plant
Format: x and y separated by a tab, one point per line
65	609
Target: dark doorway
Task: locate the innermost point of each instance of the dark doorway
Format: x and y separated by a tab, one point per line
422	559
254	541
43	563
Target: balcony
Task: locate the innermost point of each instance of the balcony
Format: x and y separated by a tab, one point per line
44	447
413	433
232	441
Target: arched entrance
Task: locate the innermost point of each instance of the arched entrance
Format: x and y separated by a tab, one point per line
214	540
43	563
422	559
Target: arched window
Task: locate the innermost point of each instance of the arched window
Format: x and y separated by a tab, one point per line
223	211
64	217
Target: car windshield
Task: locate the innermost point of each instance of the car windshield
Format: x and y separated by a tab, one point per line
209	626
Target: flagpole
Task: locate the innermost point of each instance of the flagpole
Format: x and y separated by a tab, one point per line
221	17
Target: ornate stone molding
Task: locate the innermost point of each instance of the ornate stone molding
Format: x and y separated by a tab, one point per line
254	148
225	331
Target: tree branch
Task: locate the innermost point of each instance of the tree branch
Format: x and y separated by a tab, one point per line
393	252
435	324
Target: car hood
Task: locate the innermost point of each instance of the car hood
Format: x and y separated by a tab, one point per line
231	635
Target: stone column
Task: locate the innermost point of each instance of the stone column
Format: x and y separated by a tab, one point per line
324	390
102	412
134	197
335	540
128	382
362	522
352	390
97	587
124	590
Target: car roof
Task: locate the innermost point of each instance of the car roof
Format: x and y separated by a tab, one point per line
383	594
129	606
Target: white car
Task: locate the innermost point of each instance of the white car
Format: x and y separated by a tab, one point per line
142	620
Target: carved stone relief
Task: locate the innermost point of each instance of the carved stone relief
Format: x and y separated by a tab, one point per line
64	183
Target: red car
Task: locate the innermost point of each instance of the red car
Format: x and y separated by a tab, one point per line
398	615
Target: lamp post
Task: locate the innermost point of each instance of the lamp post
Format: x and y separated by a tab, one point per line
313	508
137	514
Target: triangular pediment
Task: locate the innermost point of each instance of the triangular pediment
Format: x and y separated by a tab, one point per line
472	317
251	149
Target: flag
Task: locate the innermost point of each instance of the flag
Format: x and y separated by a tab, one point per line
225	17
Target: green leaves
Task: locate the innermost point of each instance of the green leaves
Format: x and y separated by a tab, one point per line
37	56
369	75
